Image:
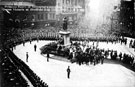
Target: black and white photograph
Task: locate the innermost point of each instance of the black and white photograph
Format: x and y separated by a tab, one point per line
67	43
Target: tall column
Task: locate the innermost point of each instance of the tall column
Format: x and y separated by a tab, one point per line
77	2
63	2
71	2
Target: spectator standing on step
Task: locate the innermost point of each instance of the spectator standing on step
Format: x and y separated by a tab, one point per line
130	44
27	56
48	56
68	72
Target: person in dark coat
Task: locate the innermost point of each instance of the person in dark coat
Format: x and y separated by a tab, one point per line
91	59
130	44
23	43
102	59
48	56
94	60
68	72
59	49
27	56
120	56
30	40
115	55
35	47
111	54
70	56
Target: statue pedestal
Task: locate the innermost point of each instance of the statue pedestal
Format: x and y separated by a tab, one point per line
66	36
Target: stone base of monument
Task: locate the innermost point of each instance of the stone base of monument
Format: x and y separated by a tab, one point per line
66	36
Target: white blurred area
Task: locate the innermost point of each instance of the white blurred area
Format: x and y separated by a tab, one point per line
99	12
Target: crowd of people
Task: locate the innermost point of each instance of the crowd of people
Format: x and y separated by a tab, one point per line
21	36
91	54
12	66
16	35
76	53
11	77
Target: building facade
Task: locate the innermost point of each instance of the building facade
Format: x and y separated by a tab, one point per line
43	13
72	9
127	16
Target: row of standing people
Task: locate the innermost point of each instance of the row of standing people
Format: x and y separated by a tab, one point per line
132	44
95	55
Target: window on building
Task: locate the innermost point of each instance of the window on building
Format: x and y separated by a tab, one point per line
41	17
33	17
45	17
75	2
48	16
38	16
54	16
63	1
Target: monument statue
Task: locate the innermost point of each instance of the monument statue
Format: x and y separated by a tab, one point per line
65	24
65	34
